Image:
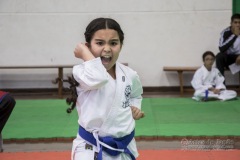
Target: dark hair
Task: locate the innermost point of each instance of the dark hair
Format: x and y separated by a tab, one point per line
73	99
235	16
102	23
208	53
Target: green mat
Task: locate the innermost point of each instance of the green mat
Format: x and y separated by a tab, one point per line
185	117
165	117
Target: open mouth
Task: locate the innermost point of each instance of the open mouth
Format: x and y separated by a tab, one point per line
106	59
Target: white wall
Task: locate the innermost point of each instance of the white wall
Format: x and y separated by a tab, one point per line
157	33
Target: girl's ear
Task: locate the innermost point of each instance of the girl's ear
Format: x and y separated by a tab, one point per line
87	44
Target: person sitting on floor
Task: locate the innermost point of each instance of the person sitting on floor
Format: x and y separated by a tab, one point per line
7	103
208	81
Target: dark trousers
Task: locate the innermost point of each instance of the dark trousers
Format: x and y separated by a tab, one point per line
6	106
223	60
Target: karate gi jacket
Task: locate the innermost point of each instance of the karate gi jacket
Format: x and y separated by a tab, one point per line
99	108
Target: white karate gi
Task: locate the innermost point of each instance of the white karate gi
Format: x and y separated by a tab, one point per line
204	79
103	105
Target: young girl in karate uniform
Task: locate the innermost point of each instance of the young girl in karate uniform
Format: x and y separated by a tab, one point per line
208	82
109	96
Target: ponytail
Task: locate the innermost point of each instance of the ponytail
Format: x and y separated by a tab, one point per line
73	99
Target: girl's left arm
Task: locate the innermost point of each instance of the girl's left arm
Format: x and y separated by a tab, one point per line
136	98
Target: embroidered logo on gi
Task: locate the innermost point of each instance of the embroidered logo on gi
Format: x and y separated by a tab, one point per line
88	147
127	96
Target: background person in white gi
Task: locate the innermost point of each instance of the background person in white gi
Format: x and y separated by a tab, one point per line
208	80
109	94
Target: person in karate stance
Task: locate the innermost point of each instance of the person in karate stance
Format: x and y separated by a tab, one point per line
208	82
109	96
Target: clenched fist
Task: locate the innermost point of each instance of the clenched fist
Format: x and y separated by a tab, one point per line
137	113
82	51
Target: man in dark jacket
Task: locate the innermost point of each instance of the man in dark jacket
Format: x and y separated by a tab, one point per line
229	45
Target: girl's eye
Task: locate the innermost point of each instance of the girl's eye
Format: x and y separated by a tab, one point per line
114	43
99	43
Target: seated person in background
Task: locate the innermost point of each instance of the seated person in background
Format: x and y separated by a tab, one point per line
229	45
7	104
208	81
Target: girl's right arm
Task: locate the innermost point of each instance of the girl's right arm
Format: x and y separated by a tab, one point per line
91	74
82	51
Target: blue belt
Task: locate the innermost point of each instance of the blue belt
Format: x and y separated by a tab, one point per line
117	143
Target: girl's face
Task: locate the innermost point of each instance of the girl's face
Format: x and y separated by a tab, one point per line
106	44
208	61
